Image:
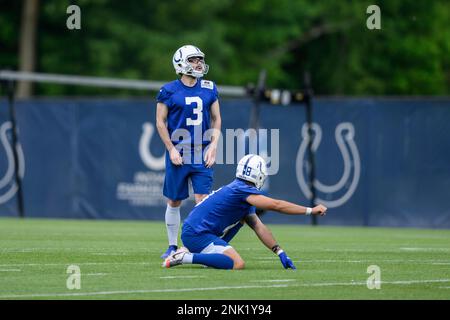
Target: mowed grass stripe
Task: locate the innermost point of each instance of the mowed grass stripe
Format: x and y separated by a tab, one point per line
78	294
127	256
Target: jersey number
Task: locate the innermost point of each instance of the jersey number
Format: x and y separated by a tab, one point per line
247	171
198	110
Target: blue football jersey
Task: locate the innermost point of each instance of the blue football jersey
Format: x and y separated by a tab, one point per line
222	209
189	109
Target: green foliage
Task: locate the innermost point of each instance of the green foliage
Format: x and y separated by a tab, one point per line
136	40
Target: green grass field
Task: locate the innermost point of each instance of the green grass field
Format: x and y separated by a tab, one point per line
120	260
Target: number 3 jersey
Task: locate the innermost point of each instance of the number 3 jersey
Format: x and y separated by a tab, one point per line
188	110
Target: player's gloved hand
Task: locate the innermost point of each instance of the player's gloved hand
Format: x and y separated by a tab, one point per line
286	261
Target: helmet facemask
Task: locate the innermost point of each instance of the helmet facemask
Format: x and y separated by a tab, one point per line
190	70
260	180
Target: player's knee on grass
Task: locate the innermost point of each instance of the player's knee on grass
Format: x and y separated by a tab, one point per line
238	264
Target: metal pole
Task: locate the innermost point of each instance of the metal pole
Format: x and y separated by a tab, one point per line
311	158
259	91
254	116
15	144
232	91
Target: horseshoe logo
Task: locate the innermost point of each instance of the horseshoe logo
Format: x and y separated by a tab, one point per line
149	160
346	186
181	56
7	181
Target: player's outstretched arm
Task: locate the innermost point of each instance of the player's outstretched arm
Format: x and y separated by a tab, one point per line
261	230
265	235
266	203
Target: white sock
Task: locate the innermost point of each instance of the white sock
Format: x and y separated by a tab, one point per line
172	224
187	258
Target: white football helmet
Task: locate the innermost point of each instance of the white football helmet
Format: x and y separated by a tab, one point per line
181	64
252	168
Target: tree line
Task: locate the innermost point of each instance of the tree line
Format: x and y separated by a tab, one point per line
409	55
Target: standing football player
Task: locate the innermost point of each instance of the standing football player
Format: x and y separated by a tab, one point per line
213	222
187	108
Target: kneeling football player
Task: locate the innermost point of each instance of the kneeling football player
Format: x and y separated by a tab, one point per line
213	222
